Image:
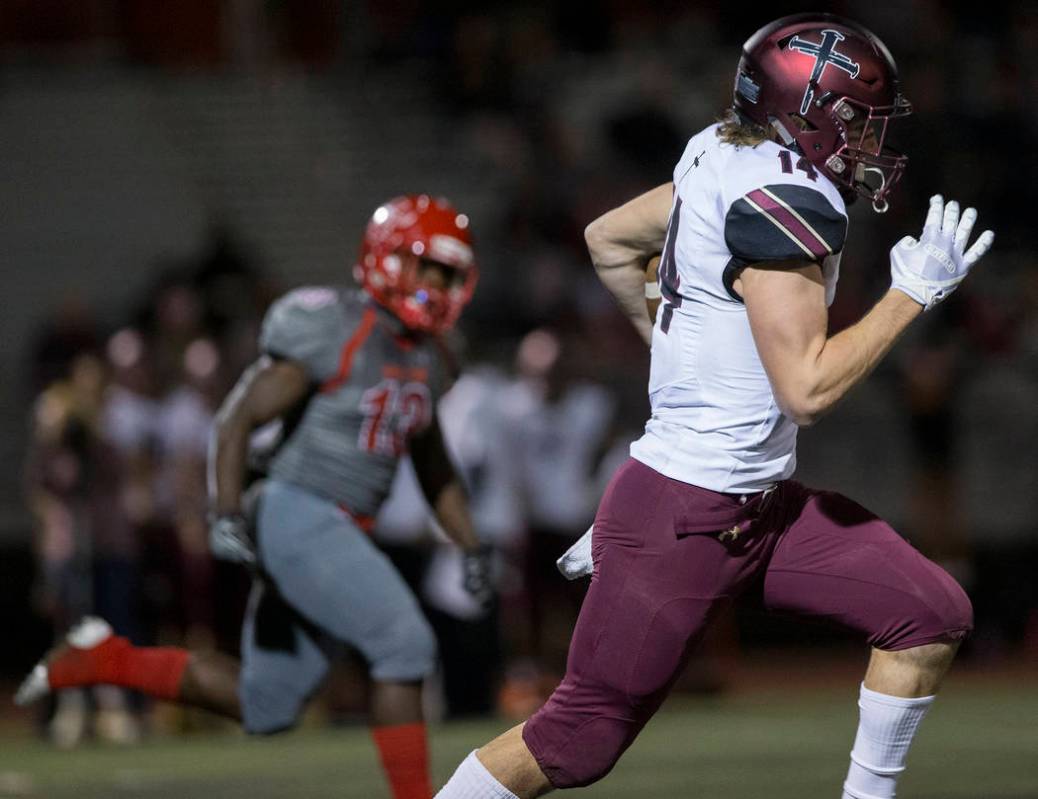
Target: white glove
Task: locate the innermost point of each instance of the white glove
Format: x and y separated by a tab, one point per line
930	269
229	539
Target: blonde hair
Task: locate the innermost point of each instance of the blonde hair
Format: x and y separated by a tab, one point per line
739	132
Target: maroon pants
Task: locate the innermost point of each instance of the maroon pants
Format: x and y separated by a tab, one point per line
668	555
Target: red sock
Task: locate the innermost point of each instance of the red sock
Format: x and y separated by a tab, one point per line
155	671
405	758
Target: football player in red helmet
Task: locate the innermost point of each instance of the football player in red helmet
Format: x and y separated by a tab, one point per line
750	233
402	239
355	374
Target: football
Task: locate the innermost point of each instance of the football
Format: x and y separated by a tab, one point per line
652	287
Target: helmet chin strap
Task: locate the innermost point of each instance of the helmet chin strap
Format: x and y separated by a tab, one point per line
787	138
879	206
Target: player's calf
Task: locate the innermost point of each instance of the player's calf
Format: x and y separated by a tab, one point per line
503	769
92	654
898	690
913	672
887	724
210	682
404	752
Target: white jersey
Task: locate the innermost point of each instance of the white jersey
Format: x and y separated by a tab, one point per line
715	422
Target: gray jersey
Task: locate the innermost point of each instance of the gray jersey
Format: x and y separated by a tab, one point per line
374	387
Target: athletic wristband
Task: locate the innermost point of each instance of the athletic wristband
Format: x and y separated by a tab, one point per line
652	291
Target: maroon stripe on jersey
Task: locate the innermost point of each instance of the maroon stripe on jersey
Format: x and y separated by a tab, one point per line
789	223
349	350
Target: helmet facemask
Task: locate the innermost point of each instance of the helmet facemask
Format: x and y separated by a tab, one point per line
430	294
862	163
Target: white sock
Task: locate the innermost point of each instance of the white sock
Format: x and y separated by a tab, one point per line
885	730
473	781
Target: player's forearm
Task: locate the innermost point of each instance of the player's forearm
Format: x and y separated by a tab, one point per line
632	233
228	455
848	357
266	390
442	487
622	241
452	512
627	285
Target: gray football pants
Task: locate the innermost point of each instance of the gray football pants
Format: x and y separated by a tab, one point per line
325	584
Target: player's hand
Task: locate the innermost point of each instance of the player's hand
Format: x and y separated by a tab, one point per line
476	576
930	269
229	539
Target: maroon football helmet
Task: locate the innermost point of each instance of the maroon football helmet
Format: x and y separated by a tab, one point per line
401	233
829	87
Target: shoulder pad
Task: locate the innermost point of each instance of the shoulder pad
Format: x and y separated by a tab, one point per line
784	221
306	325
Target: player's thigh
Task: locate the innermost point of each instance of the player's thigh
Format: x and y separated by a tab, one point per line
838	561
283	662
652	595
329	570
662	573
639	621
626	651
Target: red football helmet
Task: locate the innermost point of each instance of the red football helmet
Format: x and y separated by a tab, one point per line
829	87
401	233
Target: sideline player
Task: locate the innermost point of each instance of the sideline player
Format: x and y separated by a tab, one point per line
354	376
751	231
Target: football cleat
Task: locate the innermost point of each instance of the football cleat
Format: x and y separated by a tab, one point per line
90	633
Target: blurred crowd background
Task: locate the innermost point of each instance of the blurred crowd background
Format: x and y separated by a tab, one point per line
170	168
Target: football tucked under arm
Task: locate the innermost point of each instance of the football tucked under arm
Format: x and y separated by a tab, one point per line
653	297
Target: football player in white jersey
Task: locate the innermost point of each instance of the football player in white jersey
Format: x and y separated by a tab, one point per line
751	230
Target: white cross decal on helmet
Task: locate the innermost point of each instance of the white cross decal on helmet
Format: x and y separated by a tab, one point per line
824	53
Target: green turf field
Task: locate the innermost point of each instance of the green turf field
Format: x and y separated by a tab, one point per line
978	743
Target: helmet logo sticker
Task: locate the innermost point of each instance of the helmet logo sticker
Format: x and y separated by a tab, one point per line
824	54
747	87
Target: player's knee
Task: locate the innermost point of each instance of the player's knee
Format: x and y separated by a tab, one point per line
611	738
581	732
406	651
941	611
581	759
948	612
268	709
957	613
